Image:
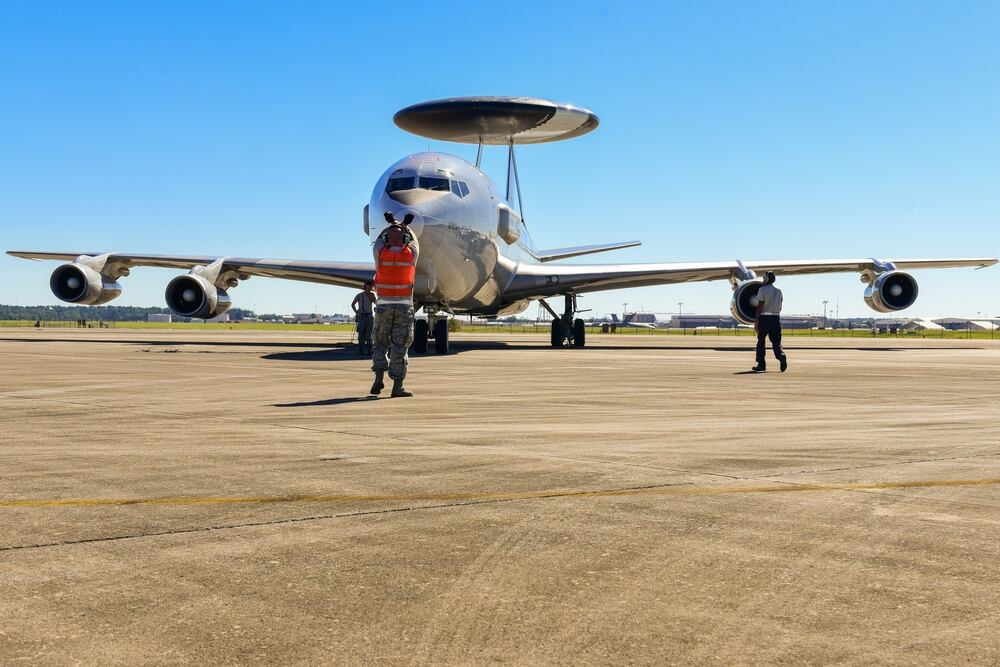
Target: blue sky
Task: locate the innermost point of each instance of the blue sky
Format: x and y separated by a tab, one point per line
728	130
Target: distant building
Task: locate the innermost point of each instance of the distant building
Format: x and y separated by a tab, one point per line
727	322
316	318
982	325
889	325
698	321
919	324
966	324
159	317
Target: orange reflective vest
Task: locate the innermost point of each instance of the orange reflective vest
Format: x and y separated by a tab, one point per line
395	273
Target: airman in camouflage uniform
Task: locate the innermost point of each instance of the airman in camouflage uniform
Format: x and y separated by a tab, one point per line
393	314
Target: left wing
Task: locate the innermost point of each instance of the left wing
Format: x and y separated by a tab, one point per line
345	274
540	280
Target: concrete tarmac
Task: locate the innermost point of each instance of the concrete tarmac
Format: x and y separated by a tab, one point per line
235	497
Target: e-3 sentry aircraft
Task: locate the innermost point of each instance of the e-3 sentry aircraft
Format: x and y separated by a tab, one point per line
475	253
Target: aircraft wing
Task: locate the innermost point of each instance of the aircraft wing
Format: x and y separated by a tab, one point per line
345	274
540	280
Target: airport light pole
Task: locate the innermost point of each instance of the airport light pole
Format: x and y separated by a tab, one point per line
825	301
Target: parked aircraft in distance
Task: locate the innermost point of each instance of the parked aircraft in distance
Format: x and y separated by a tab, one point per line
476	256
628	320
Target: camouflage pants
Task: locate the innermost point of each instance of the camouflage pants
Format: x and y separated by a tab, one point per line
393	335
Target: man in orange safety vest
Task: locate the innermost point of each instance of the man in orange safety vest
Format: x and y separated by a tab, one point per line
396	251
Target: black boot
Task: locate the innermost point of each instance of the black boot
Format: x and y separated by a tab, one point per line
379	383
398	391
759	368
784	363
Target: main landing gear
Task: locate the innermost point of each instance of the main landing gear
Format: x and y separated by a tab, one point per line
423	329
565	328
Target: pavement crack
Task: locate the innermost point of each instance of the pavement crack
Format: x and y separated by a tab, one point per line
320	517
879	488
873	465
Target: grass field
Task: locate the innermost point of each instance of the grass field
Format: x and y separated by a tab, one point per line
505	328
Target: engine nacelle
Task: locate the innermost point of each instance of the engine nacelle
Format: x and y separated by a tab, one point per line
78	283
891	291
744	304
192	295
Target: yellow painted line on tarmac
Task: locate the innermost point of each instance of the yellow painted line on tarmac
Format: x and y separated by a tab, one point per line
497	496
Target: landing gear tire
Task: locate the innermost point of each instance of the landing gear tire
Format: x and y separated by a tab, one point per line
420	337
557	333
441	336
579	333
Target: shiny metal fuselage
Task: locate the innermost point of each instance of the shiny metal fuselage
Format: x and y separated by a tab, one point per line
464	265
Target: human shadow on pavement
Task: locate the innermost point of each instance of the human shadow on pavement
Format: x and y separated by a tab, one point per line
328	354
326	401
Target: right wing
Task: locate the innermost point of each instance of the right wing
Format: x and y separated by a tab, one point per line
345	274
541	280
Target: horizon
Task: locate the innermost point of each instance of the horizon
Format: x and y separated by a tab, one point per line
525	315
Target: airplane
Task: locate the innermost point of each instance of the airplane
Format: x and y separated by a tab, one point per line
627	321
476	256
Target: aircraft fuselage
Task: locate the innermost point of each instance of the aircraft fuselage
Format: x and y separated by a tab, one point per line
464	264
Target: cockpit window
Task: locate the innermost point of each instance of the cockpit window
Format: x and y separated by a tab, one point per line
465	188
399	183
455	189
436	184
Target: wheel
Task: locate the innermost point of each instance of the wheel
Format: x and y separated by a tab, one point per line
557	333
420	336
441	336
579	333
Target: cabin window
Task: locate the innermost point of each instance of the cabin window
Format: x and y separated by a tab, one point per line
399	183
435	184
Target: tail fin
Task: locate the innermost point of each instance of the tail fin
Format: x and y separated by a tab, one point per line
614	318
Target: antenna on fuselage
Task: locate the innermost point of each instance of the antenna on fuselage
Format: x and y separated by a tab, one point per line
497	121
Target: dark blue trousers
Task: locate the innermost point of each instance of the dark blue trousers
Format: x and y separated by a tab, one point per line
769	327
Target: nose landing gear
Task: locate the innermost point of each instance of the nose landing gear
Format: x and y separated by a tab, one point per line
435	327
565	328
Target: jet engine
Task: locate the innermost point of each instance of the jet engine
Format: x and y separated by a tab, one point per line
744	304
191	295
891	291
78	283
